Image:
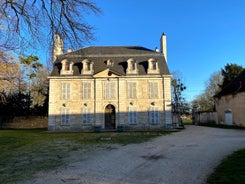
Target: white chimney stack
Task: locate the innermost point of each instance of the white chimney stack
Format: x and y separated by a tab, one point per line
163	45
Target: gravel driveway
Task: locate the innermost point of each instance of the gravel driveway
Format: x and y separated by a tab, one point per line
185	157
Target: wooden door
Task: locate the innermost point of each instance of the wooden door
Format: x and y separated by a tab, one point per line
110	120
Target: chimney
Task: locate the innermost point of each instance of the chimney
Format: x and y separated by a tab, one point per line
156	49
58	46
69	50
163	45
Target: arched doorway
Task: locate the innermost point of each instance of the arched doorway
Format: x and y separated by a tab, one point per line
110	117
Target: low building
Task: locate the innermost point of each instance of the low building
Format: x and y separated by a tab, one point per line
230	102
109	87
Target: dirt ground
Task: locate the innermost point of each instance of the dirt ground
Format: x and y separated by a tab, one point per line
185	157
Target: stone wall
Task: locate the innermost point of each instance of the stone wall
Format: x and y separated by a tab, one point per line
235	104
22	122
205	118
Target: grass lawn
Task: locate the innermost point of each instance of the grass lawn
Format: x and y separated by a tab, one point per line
231	170
24	153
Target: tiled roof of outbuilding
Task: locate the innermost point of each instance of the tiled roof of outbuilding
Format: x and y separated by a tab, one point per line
236	86
117	54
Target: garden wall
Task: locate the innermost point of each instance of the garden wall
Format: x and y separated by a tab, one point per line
205	118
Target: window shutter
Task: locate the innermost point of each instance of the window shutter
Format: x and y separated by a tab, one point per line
65	116
109	90
65	91
86	90
132	115
153	90
131	90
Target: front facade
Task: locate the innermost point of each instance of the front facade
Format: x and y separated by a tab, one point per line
230	102
109	88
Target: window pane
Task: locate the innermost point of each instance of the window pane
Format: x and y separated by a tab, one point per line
65	116
86	90
154	115
65	91
109	90
86	115
131	90
132	115
153	90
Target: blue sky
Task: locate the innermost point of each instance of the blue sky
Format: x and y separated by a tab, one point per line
202	35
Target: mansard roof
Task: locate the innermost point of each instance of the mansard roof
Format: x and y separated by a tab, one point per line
234	87
117	54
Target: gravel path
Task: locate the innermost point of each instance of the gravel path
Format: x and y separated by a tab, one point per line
185	157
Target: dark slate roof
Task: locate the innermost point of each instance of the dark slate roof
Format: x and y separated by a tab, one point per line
234	87
117	54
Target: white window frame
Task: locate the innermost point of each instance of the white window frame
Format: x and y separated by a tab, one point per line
132	115
65	116
132	90
86	115
86	90
109	90
153	89
65	91
154	115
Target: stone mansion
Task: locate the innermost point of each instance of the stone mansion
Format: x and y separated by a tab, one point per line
110	87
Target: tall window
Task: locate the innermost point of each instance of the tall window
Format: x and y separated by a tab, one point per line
86	115
109	90
132	115
133	65
88	66
132	90
65	116
67	65
154	65
86	90
65	91
153	115
153	90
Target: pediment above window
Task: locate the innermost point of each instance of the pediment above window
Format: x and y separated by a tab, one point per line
107	73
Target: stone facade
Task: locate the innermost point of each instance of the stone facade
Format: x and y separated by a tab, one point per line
230	104
110	88
230	109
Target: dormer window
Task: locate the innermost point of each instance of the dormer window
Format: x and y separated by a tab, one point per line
132	66
87	67
66	67
109	63
152	66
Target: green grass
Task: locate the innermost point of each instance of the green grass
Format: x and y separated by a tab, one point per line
231	170
24	153
187	122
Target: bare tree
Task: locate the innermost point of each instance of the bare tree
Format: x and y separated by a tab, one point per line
205	101
39	88
39	19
